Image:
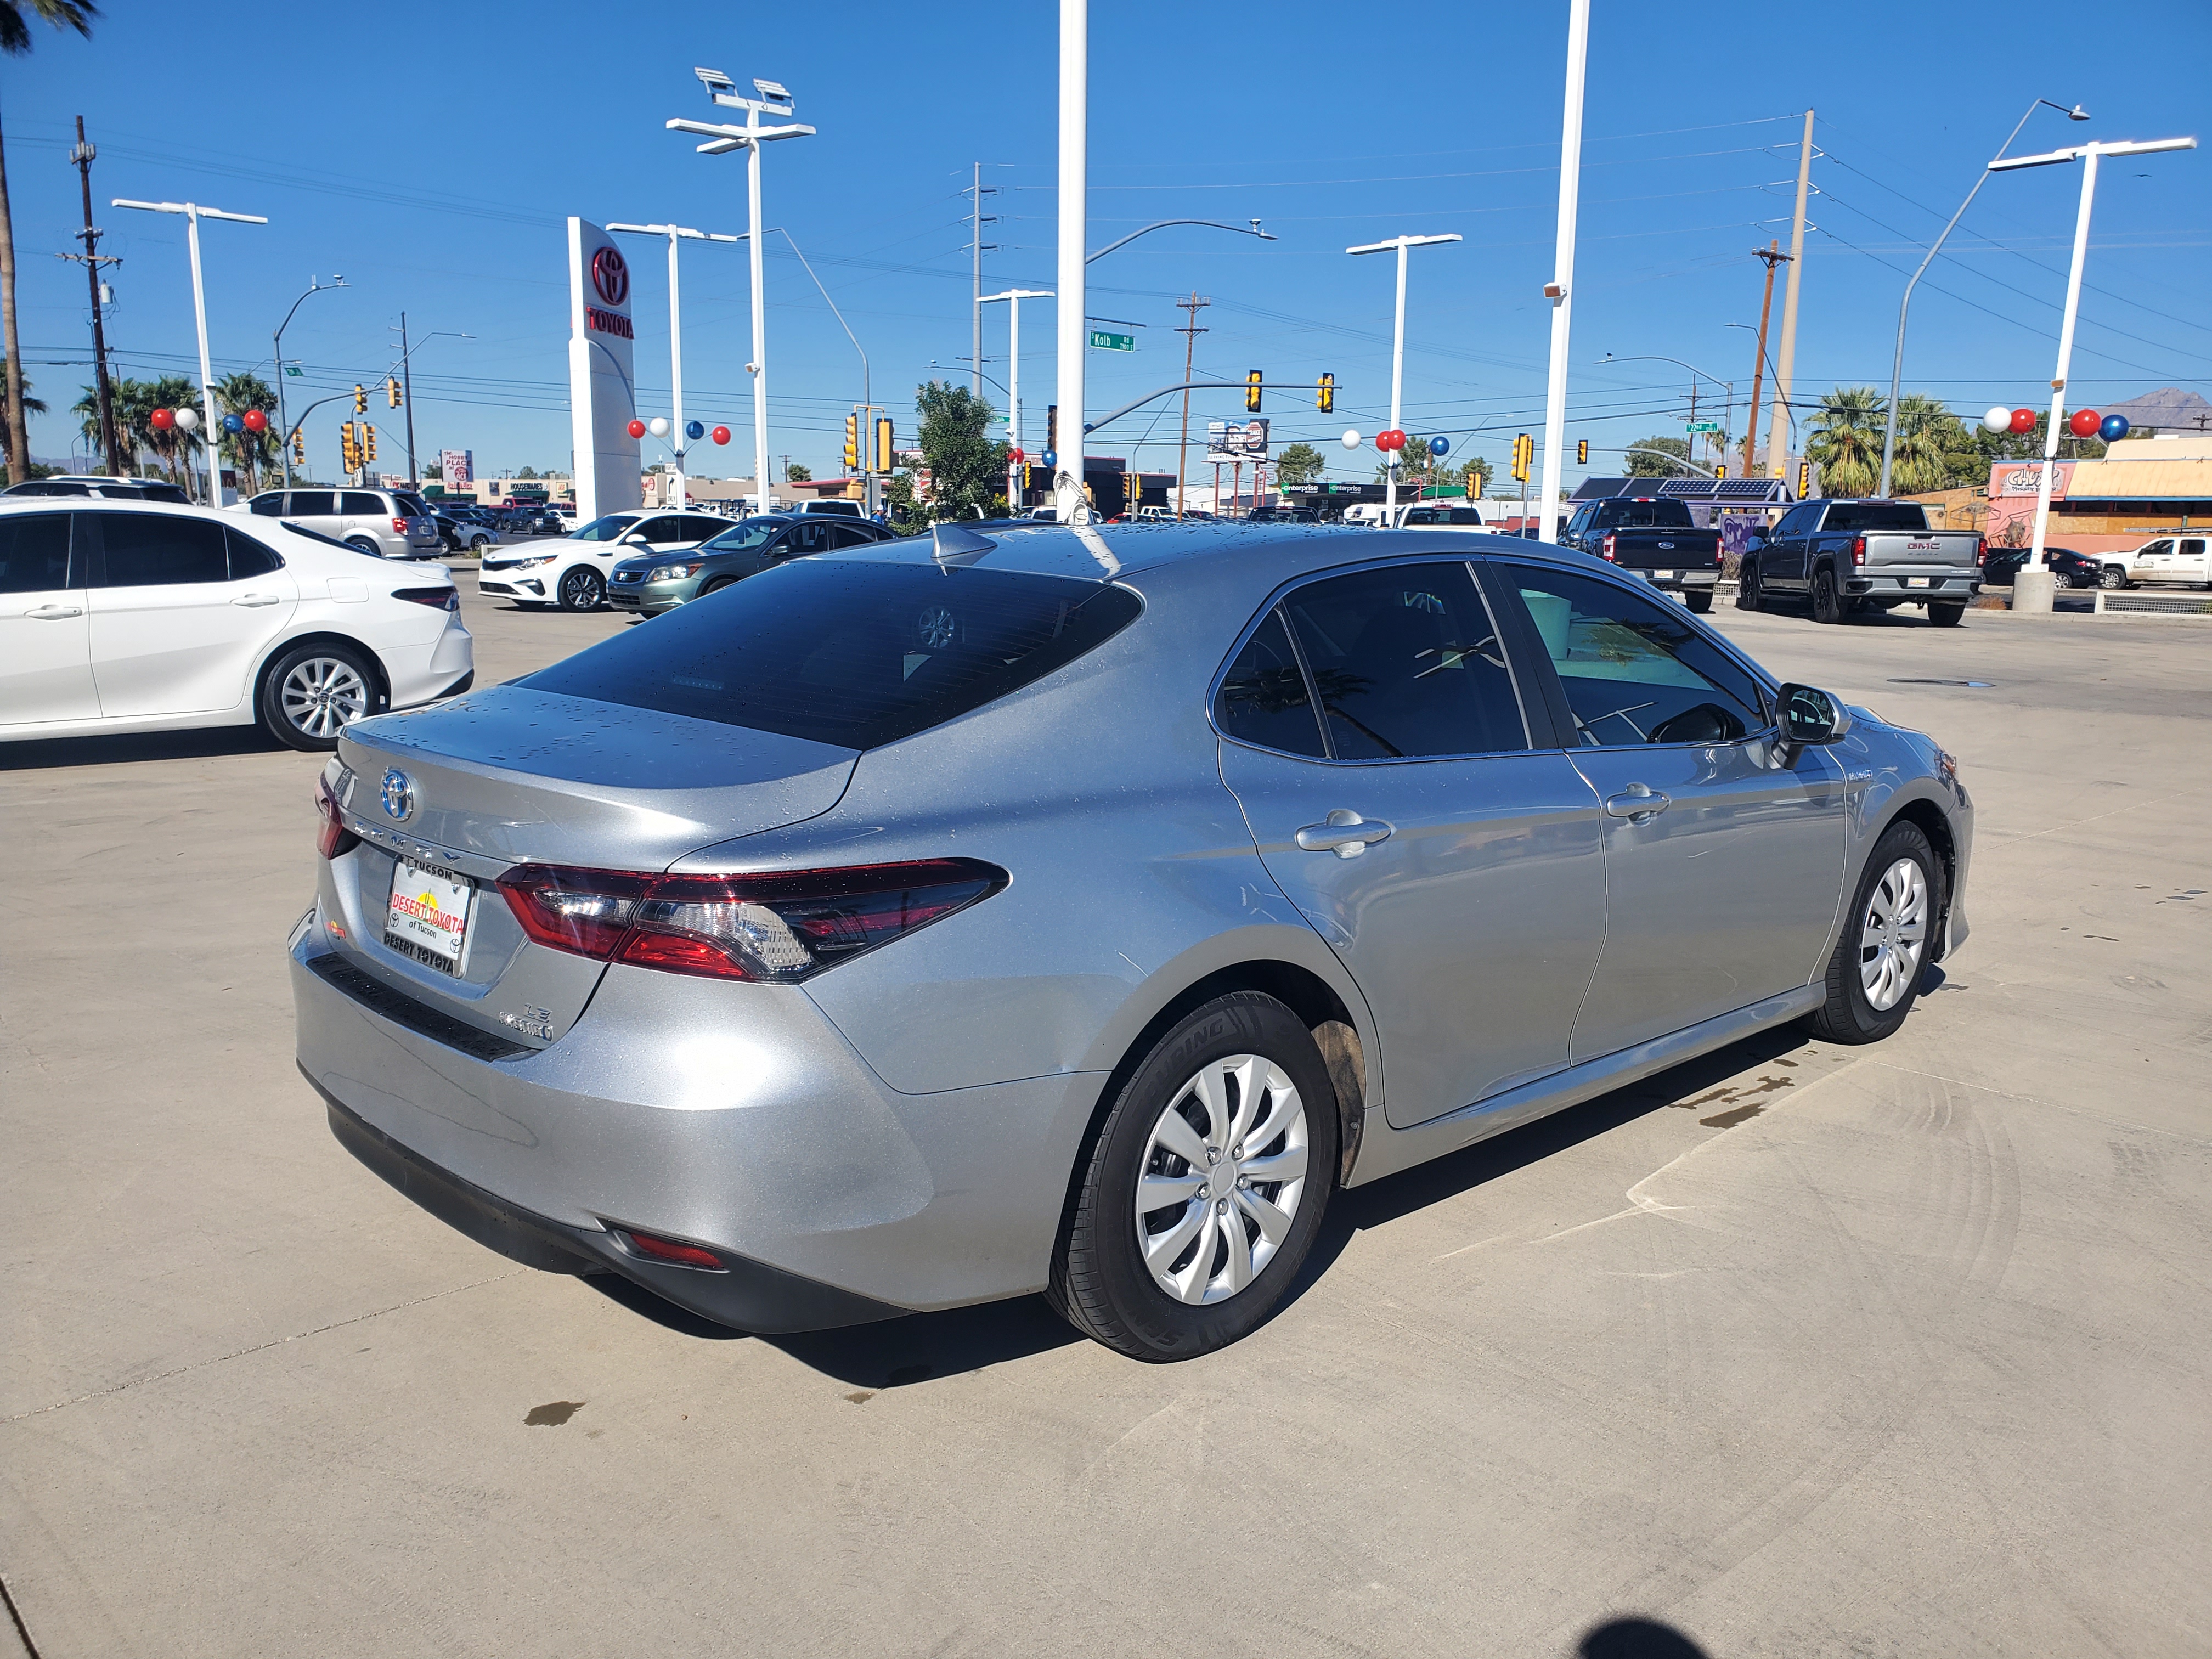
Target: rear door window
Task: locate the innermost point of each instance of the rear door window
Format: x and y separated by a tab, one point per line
248	557
697	527
1263	698
1406	664
314	504
162	550
269	505
666	528
34	552
849	652
360	504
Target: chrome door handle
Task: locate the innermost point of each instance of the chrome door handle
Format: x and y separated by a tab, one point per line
54	612
1344	833
255	600
1638	804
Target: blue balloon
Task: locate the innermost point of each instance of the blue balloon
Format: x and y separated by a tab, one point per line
2114	429
233	423
1439	446
695	429
1049	459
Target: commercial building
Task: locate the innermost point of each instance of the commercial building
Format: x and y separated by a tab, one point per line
2141	488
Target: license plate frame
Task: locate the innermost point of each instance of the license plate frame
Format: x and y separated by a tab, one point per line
1662	575
419	920
1919	581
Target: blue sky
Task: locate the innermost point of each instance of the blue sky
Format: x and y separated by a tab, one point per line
431	153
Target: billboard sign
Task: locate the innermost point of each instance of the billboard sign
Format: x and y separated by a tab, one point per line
1237	441
602	386
456	467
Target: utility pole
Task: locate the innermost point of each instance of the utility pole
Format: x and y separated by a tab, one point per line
1560	289
1778	435
1773	255
407	396
978	191
1190	331
1068	324
93	258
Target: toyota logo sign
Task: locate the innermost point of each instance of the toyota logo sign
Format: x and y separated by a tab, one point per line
611	276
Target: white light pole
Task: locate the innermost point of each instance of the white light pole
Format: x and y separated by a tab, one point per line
1560	289
194	213
2037	590
1398	347
773	99
1013	297
676	234
1074	173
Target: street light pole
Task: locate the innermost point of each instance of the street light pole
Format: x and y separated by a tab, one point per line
1069	324
1398	343
285	420
2038	593
1897	363
1661	358
773	99
1560	289
676	234
1013	297
194	213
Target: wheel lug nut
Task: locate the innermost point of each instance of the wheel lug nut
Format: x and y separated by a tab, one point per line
1221	1206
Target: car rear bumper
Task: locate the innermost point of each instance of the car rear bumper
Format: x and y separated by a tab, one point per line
1675	581
1913	586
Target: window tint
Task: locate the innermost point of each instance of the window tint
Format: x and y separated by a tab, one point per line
313	503
812	536
697	526
754	533
360	504
848	652
1263	697
34	551
1794	521
269	505
415	507
2193	547
667	527
1406	663
158	549
248	557
1635	670
2149	547
1644	515
1854	517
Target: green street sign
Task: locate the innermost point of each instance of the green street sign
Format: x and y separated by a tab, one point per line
1703	426
1101	341
292	369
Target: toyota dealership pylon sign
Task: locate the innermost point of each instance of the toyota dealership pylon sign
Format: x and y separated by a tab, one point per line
601	385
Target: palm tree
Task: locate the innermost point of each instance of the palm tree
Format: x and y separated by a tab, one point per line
32	405
15	40
1847	439
249	451
1930	439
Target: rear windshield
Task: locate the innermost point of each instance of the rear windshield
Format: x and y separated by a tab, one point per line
848	652
1856	516
1644	515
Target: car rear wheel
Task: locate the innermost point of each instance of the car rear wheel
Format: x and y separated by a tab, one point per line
1946	616
315	691
582	590
363	545
1827	600
1875	974
1700	603
477	543
1205	1187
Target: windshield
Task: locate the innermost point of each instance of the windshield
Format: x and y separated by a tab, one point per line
753	532
848	652
607	529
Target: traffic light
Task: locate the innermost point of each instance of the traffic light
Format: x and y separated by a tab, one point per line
345	446
359	401
392	389
1253	381
368	453
1582	451
1720	471
886	459
1051	427
1804	479
298	447
1328	394
853	441
1524	455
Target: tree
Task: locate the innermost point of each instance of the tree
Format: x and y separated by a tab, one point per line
31	405
1846	439
906	515
434	470
135	402
798	473
250	451
1934	451
15	40
526	472
1642	464
966	471
1300	464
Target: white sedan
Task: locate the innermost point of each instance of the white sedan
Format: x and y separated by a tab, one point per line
120	615
573	572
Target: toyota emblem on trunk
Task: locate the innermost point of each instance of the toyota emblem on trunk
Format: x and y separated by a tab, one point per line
398	795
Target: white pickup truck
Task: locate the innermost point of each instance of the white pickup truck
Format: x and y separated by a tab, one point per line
2172	559
1852	556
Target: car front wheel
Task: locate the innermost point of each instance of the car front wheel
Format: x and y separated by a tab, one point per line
1747	588
1205	1187
1875	974
582	590
315	691
2113	576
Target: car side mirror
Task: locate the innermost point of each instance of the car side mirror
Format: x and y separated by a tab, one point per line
1809	718
1753	544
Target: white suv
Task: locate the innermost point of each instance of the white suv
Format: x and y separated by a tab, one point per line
574	574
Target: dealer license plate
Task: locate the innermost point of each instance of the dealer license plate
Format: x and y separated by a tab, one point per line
1917	581
1662	575
429	918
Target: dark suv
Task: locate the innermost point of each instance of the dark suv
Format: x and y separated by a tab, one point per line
653	583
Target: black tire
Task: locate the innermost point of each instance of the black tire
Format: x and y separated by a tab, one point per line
314	692
1747	596
477	543
1100	1281
2112	576
581	589
363	545
1946	616
1701	604
1827	598
715	587
1848	1014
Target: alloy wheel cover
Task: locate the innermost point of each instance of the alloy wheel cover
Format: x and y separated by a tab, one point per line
322	695
1894	934
1222	1177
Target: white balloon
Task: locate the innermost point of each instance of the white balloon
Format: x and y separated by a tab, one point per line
658	426
187	419
1998	419
1351	438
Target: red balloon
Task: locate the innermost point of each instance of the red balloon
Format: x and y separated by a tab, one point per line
256	420
1016	457
2086	422
636	428
720	434
163	419
2023	420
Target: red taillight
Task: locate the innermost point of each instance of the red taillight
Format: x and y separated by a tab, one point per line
780	926
332	839
671	1251
438	598
1981	551
399	527
1605	549
1858	550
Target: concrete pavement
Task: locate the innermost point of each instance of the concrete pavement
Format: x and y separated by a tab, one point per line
1797	1349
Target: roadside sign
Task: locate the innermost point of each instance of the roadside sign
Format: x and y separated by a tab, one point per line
1703	426
1101	341
292	369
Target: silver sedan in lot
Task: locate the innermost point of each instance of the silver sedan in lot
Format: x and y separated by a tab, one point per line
1078	909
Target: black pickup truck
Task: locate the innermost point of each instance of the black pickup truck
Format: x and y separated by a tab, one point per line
1850	556
1655	537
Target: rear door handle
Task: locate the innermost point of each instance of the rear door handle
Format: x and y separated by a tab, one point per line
254	600
53	612
1344	833
1638	804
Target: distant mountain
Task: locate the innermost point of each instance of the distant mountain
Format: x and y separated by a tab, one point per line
2169	408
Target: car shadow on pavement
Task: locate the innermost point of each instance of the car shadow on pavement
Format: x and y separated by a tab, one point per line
36	753
1636	1638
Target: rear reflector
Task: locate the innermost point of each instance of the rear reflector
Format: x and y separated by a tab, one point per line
669	1250
781	926
332	839
438	598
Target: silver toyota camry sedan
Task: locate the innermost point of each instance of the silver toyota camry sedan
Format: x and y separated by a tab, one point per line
1077	909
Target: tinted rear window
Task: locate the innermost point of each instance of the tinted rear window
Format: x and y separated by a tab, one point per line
846	651
1644	515
1857	516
